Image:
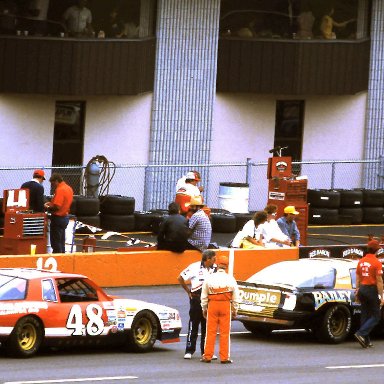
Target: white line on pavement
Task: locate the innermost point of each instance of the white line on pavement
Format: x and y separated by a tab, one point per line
356	366
93	379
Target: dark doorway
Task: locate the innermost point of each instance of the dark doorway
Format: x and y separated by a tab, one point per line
68	141
289	129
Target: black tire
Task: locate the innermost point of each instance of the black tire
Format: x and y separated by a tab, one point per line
373	198
118	223
322	198
143	221
117	205
373	215
94	221
241	219
219	210
143	333
356	214
334	325
258	329
26	338
87	206
223	222
323	216
351	198
158	217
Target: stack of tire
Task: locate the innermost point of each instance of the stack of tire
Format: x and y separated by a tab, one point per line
223	221
149	221
373	206
323	206
116	213
345	206
86	209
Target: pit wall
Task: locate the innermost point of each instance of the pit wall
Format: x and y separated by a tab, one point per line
143	268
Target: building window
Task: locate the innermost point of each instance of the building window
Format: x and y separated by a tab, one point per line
294	19
289	128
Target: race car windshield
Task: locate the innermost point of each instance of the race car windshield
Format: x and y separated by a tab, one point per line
296	275
12	288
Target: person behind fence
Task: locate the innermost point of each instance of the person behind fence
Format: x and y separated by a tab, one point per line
59	208
195	274
272	235
187	191
288	225
200	228
369	291
219	302
173	231
36	190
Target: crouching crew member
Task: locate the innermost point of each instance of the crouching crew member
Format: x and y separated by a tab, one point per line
196	273
219	302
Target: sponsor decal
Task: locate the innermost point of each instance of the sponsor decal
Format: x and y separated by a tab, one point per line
259	297
352	253
320	252
281	166
21	308
339	296
276	195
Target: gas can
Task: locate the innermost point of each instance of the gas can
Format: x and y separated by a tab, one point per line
89	244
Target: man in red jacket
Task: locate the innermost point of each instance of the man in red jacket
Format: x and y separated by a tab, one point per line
369	290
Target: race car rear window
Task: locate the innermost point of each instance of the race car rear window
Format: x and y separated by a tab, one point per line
296	275
12	288
75	290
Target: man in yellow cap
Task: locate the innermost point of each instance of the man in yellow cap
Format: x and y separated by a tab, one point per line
219	302
288	225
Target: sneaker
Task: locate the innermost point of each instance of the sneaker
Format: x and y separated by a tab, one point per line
226	361
204	360
214	357
188	356
361	340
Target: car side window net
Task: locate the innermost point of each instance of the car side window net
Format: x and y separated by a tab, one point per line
75	290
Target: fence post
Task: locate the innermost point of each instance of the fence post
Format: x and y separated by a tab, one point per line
381	172
248	170
333	175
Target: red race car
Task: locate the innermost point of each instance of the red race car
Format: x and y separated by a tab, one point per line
43	308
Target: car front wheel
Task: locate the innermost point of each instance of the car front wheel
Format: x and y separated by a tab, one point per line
335	324
143	333
26	337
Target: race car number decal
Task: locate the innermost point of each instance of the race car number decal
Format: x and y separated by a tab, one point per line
95	323
50	262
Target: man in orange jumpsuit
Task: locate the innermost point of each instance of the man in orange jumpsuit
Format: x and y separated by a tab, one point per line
219	302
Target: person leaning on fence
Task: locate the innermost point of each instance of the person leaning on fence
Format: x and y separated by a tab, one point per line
173	231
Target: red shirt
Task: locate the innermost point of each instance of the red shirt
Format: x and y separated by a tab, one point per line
368	268
63	199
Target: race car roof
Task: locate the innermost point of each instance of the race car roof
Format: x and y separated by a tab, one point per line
32	273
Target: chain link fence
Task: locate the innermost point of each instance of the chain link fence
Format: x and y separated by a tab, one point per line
130	180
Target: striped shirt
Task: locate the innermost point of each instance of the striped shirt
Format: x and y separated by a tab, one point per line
201	228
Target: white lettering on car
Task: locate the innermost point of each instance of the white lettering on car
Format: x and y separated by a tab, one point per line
323	297
94	325
51	262
259	297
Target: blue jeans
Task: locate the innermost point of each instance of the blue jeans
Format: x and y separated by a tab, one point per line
57	235
370	309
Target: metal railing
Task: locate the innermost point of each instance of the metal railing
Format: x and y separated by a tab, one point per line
130	180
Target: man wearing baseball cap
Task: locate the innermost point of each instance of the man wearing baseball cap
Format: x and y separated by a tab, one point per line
36	190
219	302
288	225
369	290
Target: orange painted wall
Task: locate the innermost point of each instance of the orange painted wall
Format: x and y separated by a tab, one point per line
140	268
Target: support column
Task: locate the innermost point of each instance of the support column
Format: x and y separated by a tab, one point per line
374	134
184	93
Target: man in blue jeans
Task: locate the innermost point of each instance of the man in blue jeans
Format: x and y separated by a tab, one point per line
369	291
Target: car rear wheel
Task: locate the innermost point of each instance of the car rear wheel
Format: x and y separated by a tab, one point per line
334	326
26	337
258	329
143	333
